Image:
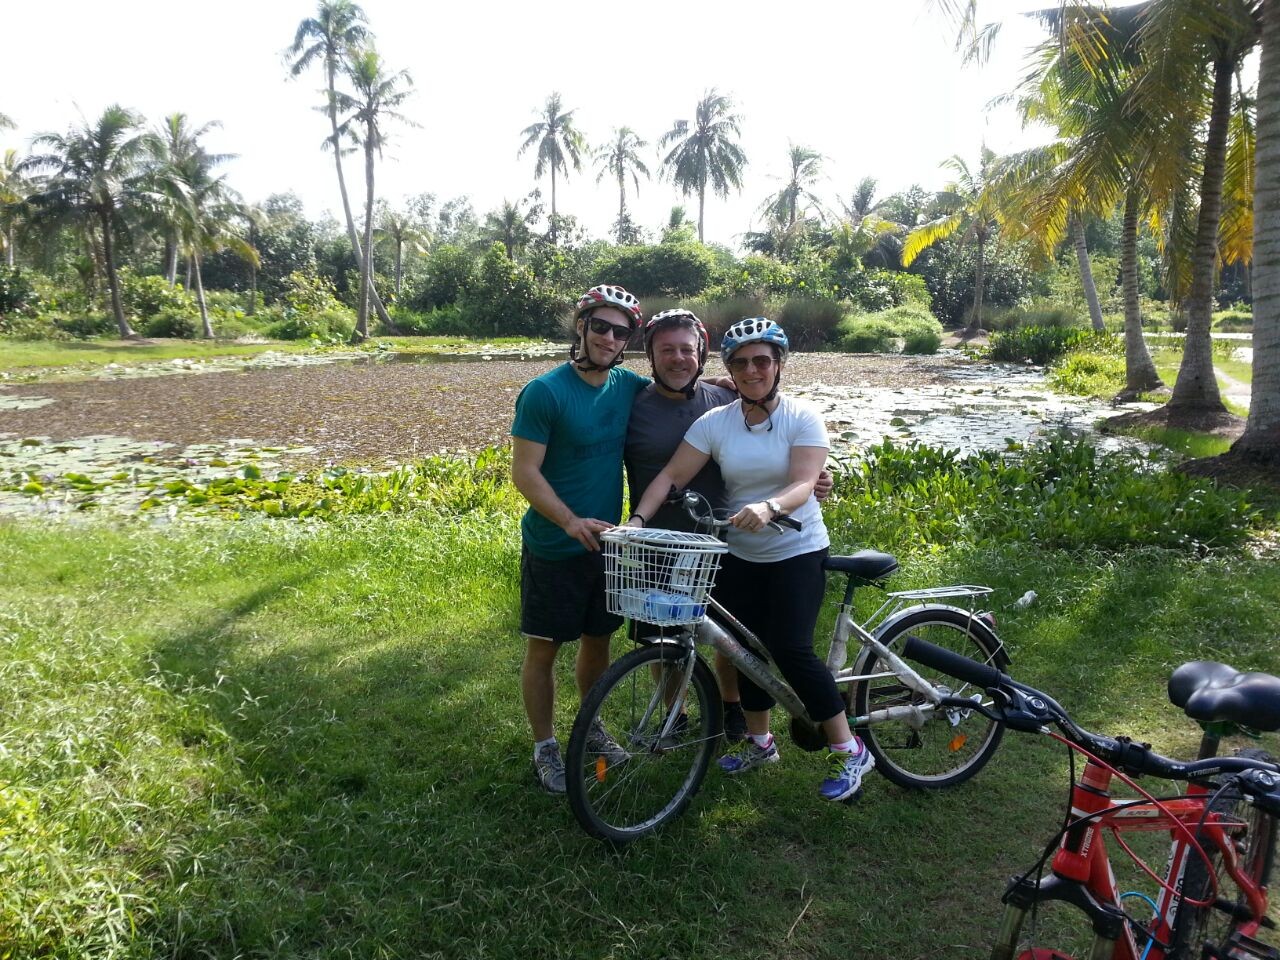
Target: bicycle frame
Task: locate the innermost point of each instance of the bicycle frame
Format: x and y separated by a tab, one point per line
1082	875
727	634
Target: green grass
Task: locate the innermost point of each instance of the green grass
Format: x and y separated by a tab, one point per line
1188	443
306	740
19	354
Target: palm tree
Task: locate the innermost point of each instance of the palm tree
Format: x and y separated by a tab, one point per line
784	206
559	144
971	207
512	224
338	27
175	146
378	93
93	173
400	231
1261	438
862	202
14	190
618	158
707	153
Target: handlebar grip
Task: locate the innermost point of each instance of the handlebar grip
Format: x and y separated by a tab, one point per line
953	664
791	522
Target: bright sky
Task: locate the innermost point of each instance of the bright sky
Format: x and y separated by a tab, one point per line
872	84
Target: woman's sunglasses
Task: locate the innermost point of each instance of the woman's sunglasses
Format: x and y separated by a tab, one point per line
740	364
602	327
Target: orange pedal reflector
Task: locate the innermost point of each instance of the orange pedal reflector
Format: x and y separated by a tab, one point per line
957	742
601	766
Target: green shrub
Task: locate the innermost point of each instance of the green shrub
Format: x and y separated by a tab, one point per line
1060	493
20	326
867	334
449	273
172	322
17	293
335	323
1088	373
1233	321
145	297
912	325
810	323
507	299
1036	315
1032	344
308	293
679	269
84	324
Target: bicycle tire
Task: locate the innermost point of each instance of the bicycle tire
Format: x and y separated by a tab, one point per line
950	747
1195	927
625	801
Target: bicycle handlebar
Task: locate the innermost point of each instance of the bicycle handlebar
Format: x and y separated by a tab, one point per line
1024	708
700	511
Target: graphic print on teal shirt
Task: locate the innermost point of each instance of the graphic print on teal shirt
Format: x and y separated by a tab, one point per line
584	429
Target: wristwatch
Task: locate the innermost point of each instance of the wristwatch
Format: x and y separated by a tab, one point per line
774	507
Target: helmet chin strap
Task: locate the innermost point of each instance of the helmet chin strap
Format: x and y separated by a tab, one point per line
584	362
768	398
689	390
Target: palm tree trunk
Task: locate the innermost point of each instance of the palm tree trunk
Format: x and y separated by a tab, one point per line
1139	370
188	284
1261	438
1196	387
8	246
366	262
1086	273
399	265
206	327
113	280
553	205
979	278
171	260
346	200
702	202
622	202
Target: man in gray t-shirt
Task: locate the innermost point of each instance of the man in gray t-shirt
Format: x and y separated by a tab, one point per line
677	345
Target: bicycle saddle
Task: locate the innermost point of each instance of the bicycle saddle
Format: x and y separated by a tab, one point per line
867	564
1214	691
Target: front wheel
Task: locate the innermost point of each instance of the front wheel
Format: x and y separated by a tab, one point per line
929	748
1252	833
667	729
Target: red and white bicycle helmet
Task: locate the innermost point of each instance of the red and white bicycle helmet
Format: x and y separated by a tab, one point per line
604	295
610	295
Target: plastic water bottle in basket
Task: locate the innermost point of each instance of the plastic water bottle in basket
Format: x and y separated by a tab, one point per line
662	577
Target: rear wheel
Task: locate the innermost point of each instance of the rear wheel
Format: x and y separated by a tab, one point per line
930	748
666	761
1254	838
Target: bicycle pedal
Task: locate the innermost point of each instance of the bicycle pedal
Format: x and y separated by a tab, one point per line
1241	947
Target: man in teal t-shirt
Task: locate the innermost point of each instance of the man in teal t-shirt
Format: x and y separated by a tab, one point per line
567	440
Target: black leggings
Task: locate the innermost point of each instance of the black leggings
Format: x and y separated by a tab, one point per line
779	602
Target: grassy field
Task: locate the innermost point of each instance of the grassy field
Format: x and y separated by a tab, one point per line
268	739
17	356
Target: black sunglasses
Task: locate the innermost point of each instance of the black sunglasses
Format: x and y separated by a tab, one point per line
602	327
760	362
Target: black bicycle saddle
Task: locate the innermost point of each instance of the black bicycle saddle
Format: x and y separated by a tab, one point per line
867	564
1210	691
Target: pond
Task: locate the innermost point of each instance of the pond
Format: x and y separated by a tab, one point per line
131	433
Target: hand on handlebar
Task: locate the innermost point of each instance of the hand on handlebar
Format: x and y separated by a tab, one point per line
752	518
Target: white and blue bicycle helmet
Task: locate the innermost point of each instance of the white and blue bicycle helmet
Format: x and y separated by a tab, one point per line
757	330
754	330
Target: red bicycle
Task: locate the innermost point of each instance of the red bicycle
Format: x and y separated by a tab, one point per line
1211	900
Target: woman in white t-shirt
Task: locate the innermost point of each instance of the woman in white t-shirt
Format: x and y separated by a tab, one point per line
770	449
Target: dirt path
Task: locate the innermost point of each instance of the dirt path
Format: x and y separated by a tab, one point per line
366	411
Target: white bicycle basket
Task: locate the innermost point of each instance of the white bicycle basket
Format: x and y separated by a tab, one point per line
662	577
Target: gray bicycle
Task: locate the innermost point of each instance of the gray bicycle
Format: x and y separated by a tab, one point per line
661	703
